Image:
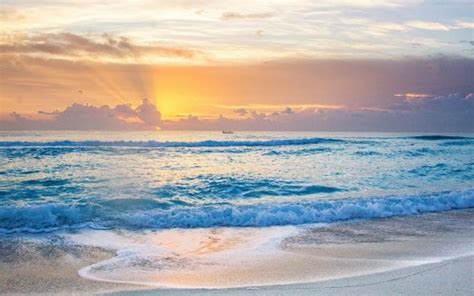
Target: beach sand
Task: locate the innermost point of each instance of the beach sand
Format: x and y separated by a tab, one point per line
29	267
449	277
416	255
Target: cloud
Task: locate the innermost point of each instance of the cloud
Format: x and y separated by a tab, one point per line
74	45
49	84
430	26
450	113
241	111
231	16
366	3
449	105
414	96
88	117
465	25
270	107
470	42
148	114
8	14
317	29
125	110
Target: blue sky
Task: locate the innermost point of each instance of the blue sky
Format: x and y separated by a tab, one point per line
250	31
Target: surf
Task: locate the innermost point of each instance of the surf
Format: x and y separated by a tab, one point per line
53	217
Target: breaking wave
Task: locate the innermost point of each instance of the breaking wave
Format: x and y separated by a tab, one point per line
51	217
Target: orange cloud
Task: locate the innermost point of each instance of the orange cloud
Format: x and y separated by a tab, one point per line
414	96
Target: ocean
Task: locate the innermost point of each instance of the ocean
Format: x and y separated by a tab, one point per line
159	180
108	184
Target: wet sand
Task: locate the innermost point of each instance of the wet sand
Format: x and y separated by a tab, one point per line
449	277
230	258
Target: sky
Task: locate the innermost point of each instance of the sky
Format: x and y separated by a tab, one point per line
361	65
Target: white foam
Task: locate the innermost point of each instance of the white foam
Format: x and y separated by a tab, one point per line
45	217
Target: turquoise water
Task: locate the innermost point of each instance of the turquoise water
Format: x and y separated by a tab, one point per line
157	180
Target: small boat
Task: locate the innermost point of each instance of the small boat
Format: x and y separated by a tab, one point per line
227	132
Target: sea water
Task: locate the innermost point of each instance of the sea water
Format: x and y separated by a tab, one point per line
159	180
196	197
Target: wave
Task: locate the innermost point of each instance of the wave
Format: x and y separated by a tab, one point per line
367	153
299	152
153	144
199	188
233	187
50	217
420	152
457	143
439	137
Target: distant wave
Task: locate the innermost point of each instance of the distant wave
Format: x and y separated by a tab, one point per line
215	143
50	217
209	143
299	152
439	138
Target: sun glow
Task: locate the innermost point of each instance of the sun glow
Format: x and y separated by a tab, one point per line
171	105
178	93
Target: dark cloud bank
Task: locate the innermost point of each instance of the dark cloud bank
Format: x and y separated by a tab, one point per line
451	113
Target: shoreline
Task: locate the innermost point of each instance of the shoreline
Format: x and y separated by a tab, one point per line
266	261
453	276
232	258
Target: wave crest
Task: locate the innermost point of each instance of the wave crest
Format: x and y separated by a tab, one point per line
52	217
439	137
171	144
